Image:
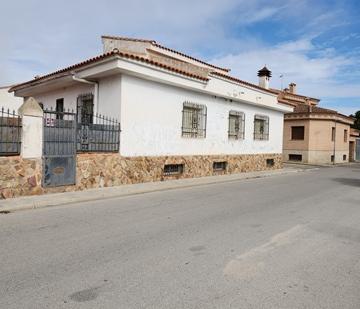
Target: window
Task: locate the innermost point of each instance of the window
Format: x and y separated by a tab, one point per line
173	169
270	162
333	134
344	157
193	120
59	108
41	106
297	133
219	166
295	157
85	108
236	125
261	127
345	136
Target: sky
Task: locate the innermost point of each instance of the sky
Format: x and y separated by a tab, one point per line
315	44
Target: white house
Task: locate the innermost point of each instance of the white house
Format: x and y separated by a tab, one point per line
180	115
8	101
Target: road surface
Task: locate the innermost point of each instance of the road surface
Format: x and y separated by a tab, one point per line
290	241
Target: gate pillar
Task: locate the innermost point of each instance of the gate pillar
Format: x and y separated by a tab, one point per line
32	129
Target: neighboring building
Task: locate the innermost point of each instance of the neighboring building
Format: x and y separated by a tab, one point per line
354	145
8	101
181	115
312	134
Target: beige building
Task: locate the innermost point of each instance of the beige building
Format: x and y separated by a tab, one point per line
354	145
312	134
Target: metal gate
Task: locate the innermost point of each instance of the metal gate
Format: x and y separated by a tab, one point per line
357	150
59	148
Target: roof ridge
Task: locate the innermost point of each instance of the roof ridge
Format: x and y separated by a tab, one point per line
154	43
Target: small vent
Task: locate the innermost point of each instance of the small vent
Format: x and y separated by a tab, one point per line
295	157
344	157
332	158
219	166
270	162
173	169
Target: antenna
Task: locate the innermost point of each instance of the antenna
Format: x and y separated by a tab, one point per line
281	78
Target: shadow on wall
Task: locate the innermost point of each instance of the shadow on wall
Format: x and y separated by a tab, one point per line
354	182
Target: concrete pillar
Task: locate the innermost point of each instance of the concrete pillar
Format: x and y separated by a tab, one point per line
32	129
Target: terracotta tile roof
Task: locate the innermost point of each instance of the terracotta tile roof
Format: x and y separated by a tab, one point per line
59	73
278	91
242	82
301	109
154	43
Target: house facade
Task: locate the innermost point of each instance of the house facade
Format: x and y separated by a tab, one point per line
312	134
8	101
179	116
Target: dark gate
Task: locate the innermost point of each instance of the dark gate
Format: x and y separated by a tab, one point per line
59	148
357	150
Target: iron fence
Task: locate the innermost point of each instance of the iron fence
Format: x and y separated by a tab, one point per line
97	133
92	132
10	133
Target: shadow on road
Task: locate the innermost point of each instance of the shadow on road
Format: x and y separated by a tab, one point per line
354	182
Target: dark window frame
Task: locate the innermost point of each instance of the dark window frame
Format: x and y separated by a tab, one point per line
297	133
59	107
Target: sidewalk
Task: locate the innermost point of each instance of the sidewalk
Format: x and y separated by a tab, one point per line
55	199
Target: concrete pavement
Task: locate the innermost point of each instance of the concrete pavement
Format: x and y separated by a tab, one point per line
290	241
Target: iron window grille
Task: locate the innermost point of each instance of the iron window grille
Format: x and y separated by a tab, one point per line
194	120
10	133
219	166
270	162
261	127
85	108
236	125
173	169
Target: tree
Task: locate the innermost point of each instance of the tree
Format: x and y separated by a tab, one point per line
357	120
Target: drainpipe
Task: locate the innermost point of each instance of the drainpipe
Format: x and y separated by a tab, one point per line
96	90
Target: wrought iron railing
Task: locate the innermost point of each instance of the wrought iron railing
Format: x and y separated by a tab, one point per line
10	133
97	133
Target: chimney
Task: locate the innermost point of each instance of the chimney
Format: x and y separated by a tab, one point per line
264	77
292	88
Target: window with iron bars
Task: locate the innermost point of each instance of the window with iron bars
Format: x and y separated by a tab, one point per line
236	125
261	127
193	120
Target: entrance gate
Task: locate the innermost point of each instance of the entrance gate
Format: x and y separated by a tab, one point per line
59	148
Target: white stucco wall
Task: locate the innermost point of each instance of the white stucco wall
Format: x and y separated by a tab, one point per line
151	121
109	96
8	100
70	94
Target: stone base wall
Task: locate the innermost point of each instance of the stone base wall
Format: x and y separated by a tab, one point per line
94	170
20	177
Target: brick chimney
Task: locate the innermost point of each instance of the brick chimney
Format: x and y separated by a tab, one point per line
292	88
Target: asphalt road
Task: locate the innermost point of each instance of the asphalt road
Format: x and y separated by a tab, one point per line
290	241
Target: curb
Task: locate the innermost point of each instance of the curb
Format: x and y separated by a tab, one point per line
58	199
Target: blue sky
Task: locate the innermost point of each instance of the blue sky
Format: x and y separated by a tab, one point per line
315	44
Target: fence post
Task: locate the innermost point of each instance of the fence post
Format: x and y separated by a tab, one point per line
32	129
